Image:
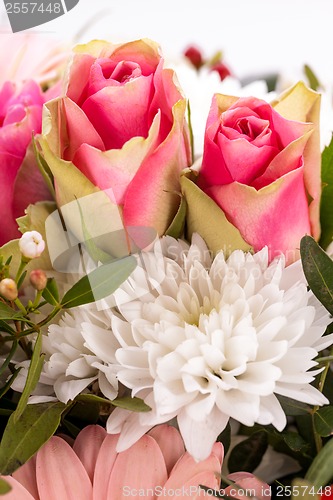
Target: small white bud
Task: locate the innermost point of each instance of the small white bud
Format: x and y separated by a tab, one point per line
8	289
31	244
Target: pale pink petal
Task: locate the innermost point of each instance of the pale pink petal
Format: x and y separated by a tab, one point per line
26	475
87	447
258	214
140	467
247	481
186	469
18	492
170	442
192	488
58	469
104	464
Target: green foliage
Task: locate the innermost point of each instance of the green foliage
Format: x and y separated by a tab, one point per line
326	205
318	270
247	455
23	438
320	472
100	283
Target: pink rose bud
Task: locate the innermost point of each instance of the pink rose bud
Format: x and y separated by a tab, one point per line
194	55
8	289
38	279
221	69
31	244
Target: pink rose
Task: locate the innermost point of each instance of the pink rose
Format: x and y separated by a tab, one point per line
20	180
263	169
122	125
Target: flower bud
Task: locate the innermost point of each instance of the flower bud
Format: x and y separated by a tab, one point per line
194	56
8	289
31	244
221	69
38	279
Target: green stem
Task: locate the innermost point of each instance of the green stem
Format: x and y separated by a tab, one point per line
20	270
19	304
317	438
37	299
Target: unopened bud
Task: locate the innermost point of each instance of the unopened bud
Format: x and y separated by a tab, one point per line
38	279
8	289
194	56
31	244
221	69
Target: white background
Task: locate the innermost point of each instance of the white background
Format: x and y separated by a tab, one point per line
257	36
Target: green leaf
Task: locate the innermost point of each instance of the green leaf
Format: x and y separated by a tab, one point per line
320	472
21	440
44	168
126	402
247	455
176	228
4	327
201	210
4	487
225	438
100	283
318	270
314	83
323	421
96	253
7	313
326	205
291	407
9	382
51	293
35	369
303	489
295	442
9	357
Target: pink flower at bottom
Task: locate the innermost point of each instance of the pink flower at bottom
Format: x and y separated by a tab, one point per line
156	466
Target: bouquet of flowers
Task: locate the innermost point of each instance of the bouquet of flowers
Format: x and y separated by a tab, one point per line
165	317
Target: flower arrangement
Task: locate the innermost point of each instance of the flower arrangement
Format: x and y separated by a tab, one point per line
165	318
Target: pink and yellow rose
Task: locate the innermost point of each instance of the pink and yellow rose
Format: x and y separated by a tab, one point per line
20	180
121	129
261	165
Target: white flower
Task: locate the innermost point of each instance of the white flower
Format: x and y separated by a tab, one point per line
216	339
31	244
79	351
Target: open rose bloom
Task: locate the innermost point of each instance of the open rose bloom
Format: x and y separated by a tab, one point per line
261	165
20	179
119	129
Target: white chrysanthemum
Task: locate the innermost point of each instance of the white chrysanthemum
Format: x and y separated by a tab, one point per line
79	351
215	339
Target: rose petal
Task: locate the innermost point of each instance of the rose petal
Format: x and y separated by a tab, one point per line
258	214
151	200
